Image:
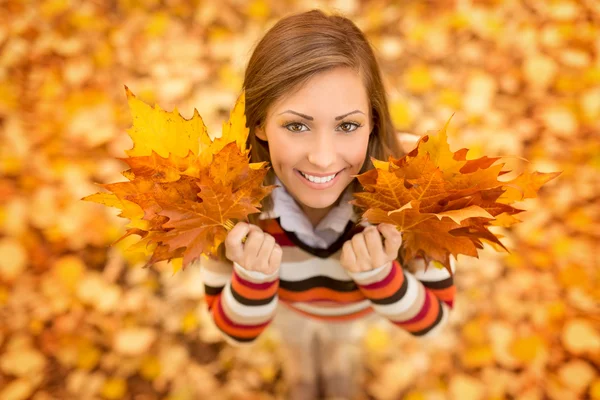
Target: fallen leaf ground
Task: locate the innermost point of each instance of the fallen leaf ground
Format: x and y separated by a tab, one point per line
80	321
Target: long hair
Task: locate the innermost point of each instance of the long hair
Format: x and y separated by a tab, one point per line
297	48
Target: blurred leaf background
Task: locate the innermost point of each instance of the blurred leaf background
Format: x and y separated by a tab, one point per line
80	320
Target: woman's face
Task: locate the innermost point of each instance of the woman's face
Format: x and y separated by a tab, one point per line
322	130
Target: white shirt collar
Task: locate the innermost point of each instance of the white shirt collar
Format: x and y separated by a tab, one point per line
292	218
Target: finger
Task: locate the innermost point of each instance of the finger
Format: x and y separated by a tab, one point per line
360	250
233	242
254	228
375	247
262	259
240	230
348	258
251	248
393	240
275	258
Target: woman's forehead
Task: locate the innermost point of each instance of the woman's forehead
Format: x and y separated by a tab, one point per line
327	94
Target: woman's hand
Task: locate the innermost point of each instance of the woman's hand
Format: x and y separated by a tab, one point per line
258	253
365	251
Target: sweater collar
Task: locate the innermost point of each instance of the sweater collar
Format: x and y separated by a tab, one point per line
293	219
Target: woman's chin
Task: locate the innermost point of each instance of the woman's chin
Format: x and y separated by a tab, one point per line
318	201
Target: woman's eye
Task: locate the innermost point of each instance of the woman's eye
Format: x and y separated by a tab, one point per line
350	126
345	126
295	127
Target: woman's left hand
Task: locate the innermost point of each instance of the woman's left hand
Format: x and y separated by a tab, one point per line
366	250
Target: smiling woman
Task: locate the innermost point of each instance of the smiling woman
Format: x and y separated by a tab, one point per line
317	111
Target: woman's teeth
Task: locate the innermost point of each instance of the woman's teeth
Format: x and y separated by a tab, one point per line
315	179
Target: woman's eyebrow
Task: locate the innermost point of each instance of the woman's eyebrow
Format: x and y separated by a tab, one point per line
308	117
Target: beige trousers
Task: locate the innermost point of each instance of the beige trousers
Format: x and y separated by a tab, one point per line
323	360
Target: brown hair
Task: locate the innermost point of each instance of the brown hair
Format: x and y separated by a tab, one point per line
295	49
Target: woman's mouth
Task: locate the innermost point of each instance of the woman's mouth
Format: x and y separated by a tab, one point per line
317	182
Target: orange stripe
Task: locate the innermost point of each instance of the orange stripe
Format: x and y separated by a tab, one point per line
445	294
388	290
320	293
252	294
210	299
231	330
334	318
428	320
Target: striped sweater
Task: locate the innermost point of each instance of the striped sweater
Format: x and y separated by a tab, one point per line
312	282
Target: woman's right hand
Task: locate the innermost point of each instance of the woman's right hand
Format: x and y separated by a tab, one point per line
258	253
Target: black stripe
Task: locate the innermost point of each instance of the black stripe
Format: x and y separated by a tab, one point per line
443	284
350	230
318	281
396	296
212	290
250	302
435	323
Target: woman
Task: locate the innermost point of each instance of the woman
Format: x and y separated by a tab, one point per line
316	110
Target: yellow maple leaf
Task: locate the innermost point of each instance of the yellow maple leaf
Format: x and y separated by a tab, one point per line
164	132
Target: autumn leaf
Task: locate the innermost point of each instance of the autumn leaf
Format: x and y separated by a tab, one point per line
164	132
531	89
184	190
442	202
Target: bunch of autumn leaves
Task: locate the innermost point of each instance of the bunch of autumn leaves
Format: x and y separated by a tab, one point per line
186	190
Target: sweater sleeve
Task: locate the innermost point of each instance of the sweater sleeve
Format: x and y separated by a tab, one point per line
242	303
418	302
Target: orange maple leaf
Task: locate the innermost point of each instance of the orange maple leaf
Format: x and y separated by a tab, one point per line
443	203
202	226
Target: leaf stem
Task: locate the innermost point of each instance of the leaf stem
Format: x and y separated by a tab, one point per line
228	225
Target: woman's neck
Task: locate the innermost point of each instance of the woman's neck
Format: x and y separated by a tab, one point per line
316	215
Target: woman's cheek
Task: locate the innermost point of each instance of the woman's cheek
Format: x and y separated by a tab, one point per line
358	153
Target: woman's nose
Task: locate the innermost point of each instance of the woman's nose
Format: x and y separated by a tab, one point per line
322	153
